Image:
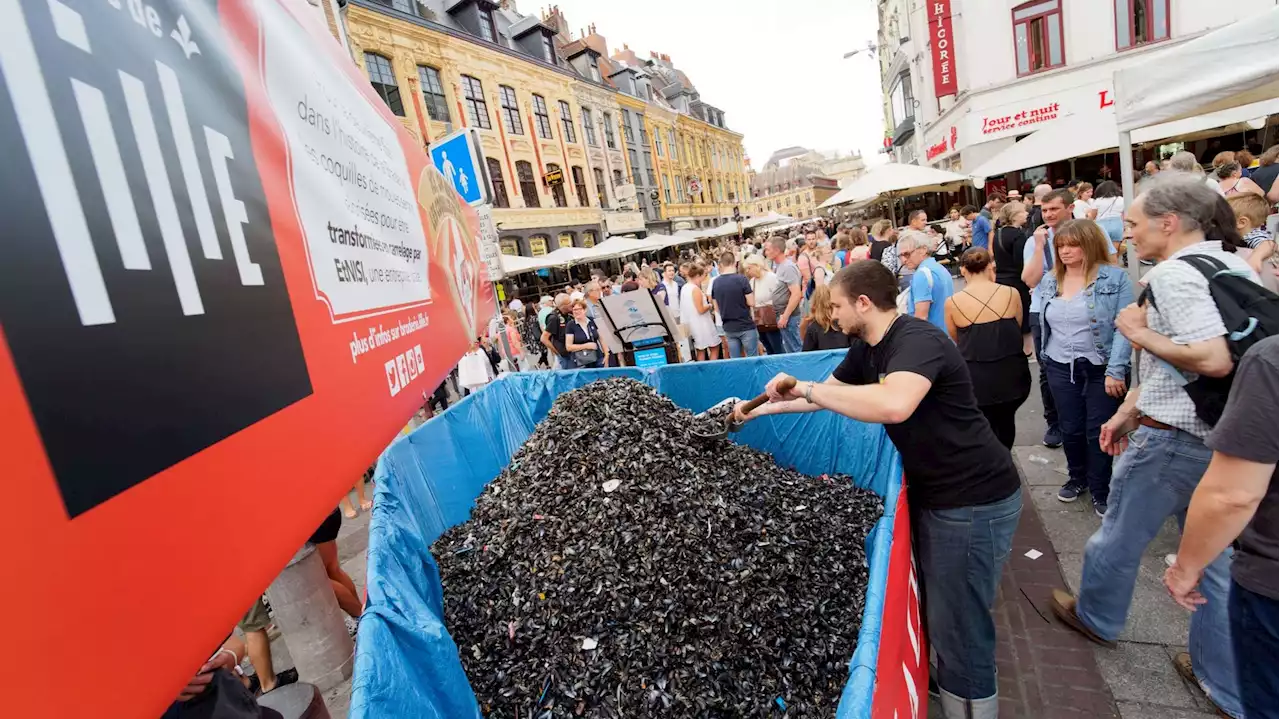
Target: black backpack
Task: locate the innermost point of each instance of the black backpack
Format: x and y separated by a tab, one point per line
1249	312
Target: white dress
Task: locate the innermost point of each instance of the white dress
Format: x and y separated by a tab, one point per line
701	325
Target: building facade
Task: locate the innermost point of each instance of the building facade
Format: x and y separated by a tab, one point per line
544	104
793	182
964	79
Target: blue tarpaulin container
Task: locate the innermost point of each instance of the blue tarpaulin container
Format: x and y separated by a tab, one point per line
427	481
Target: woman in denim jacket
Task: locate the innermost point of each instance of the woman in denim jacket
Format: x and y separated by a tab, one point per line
1085	359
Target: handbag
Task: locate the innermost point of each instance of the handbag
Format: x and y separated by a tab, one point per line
765	316
582	358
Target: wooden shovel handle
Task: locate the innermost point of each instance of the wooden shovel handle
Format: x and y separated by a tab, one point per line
785	385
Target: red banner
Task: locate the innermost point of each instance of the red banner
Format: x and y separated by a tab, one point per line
902	669
944	64
229	277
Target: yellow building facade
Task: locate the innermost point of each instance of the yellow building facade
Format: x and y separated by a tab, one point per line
518	109
536	117
800	203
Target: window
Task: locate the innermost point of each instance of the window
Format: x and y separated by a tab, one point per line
510	110
1037	36
671	143
566	122
565	239
648	168
588	127
486	23
499	185
657	145
902	101
609	140
528	185
510	245
666	189
617	178
588	238
557	188
477	108
603	196
644	134
548	49
627	132
538	245
1141	21
433	93
384	81
635	164
580	185
541	118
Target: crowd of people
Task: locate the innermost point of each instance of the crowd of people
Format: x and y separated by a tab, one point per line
1197	438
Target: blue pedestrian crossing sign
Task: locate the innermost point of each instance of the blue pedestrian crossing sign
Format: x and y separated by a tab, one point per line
457	156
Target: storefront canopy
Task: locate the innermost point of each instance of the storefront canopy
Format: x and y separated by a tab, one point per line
896	180
1230	67
1088	134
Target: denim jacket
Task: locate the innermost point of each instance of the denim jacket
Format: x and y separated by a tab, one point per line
1111	292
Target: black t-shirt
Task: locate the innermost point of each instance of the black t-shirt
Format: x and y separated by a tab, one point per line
555	327
950	456
730	293
1248	430
1264	176
877	249
816	338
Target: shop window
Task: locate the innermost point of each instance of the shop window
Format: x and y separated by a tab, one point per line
566	121
510	110
1139	22
588	239
509	245
565	239
384	81
433	93
528	185
580	186
499	185
588	127
1037	36
557	189
601	193
473	98
538	245
541	117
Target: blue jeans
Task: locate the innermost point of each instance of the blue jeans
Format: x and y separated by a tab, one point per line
791	335
743	343
962	553
1080	395
1254	636
1153	480
566	361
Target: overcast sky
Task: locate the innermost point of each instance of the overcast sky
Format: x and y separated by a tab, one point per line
775	68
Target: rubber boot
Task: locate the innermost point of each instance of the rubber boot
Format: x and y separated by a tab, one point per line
953	707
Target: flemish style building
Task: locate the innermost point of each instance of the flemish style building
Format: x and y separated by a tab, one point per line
543	100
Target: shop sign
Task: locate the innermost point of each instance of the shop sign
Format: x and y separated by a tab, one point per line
554	177
238	277
944	67
1030	115
620	223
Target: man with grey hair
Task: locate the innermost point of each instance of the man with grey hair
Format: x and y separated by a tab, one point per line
1158	435
553	334
1036	218
931	284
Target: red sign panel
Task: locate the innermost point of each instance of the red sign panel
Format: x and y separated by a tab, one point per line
902	669
229	277
944	64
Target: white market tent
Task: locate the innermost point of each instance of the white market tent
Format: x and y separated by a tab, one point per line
1195	79
617	246
885	182
624	245
728	228
772	218
1084	135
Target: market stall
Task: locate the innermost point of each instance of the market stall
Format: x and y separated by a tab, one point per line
892	181
408	666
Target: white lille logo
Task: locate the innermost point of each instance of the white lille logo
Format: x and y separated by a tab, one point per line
404	368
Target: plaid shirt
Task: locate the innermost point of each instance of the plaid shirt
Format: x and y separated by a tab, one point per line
1187	314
